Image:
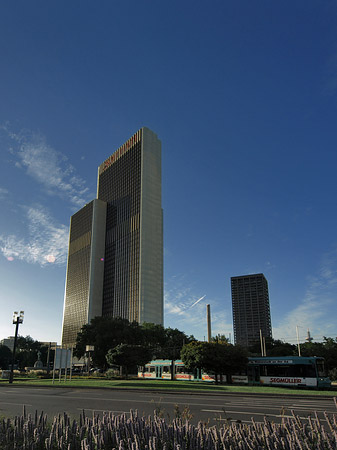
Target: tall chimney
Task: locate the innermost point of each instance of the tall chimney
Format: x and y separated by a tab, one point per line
209	331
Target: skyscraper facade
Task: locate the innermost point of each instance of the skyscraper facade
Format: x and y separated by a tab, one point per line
251	309
119	264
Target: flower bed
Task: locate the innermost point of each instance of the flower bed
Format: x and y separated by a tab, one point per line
133	432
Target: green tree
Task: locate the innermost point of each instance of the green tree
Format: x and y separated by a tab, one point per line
232	359
165	342
194	355
174	342
280	348
105	333
220	339
154	337
330	348
5	357
274	347
220	359
327	349
128	356
26	351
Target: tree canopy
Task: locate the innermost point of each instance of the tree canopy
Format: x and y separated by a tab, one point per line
27	349
327	349
213	357
5	357
106	333
274	347
128	356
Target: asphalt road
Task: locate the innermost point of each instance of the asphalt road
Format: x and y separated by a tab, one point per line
213	409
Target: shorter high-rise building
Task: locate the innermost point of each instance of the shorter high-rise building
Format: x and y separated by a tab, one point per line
8	342
85	270
251	310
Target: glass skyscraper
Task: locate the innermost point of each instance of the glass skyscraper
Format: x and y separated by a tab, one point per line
115	260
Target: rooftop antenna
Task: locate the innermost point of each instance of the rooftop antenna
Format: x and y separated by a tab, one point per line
309	338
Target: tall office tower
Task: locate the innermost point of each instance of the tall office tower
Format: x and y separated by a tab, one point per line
115	261
251	310
130	182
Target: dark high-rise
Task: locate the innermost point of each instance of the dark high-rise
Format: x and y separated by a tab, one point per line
251	310
116	269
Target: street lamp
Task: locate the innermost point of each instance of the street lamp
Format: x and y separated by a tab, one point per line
17	319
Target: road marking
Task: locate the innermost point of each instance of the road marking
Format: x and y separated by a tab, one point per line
298	408
104	410
15	404
294	405
212	410
246	413
220	419
238	420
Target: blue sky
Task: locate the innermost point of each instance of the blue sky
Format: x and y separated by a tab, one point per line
243	96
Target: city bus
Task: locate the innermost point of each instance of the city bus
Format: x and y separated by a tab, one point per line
299	371
288	371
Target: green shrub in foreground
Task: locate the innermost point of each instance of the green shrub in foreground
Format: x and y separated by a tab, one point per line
121	432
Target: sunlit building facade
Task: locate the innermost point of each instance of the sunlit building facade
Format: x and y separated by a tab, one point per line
127	280
251	309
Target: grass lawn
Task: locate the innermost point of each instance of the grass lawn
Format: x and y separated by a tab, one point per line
159	385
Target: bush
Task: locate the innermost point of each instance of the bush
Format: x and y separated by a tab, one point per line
97	374
36	374
134	432
112	373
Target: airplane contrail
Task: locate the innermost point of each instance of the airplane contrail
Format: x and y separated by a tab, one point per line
199	300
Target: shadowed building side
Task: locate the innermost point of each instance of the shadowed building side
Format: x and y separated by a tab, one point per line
251	310
85	268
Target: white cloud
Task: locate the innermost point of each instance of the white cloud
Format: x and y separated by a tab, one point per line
185	310
47	166
317	310
47	242
42	241
197	301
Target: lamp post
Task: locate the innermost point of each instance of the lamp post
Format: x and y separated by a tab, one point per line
17	319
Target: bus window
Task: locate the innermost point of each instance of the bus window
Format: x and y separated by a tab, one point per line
152	369
253	374
166	369
321	368
263	371
311	371
275	370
